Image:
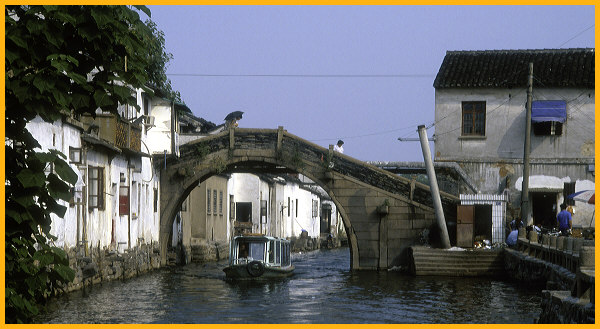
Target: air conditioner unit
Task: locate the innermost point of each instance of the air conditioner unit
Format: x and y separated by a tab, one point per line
149	121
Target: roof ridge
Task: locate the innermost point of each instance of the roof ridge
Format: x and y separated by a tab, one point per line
545	50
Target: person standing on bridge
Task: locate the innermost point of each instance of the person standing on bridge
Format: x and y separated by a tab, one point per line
338	147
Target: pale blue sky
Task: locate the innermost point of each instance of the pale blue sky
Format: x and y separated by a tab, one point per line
310	54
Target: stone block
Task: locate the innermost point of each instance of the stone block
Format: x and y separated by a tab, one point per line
398	223
533	236
394	234
587	256
421	224
553	241
577	244
368	263
368	248
560	243
569	245
367	235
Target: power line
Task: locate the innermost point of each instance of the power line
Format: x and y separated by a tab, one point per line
578	34
364	135
206	75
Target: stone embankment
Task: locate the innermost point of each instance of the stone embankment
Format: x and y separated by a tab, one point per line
103	265
567	265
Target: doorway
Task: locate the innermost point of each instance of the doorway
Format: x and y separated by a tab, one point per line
543	208
483	222
243	211
325	219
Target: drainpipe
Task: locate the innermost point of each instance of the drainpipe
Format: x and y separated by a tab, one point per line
526	151
433	186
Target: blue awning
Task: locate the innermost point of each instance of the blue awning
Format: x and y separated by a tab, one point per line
544	111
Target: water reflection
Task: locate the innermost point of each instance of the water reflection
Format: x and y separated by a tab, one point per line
323	290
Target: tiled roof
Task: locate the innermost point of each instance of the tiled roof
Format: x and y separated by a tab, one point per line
510	68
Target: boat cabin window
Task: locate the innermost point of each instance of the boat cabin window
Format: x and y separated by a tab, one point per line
285	259
271	251
277	252
243	250
257	250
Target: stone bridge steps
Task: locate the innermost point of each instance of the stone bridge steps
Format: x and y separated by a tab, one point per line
430	261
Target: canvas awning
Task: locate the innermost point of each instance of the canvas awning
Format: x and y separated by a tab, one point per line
545	111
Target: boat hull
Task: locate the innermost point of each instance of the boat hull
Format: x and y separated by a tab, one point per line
243	272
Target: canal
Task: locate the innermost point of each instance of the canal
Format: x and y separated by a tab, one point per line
323	290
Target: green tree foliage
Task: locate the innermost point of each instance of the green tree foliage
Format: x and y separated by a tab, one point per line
59	60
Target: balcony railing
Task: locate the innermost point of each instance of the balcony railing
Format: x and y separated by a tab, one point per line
116	131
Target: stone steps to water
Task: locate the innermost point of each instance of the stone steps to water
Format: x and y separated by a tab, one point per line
468	262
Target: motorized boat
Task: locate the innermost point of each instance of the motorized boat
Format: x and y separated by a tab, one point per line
259	257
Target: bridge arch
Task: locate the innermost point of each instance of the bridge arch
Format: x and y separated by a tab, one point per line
383	213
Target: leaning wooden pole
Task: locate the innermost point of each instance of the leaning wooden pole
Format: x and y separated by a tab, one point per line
433	186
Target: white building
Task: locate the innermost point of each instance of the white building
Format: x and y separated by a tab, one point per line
480	119
115	203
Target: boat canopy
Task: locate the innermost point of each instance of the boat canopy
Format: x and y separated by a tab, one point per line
269	250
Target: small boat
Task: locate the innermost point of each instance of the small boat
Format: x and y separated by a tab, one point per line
258	257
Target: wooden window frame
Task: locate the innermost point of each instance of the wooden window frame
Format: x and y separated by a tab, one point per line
473	108
99	193
124	203
72	152
155	200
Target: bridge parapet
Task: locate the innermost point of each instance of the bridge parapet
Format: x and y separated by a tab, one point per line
308	158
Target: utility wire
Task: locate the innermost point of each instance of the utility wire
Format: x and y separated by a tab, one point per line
364	135
304	75
578	34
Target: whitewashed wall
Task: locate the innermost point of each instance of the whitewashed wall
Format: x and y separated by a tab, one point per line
59	136
505	125
300	217
159	136
141	225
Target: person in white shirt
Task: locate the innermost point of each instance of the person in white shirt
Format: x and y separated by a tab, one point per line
338	147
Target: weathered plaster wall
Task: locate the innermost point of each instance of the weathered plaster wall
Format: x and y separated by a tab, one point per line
160	135
505	125
60	136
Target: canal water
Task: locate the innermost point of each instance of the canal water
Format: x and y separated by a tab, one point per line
323	290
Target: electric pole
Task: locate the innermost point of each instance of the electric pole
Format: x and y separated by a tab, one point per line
527	148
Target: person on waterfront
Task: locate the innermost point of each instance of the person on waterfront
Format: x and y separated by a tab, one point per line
564	220
338	147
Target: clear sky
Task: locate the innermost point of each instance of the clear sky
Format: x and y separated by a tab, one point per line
363	74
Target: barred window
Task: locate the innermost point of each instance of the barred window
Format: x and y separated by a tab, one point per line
208	201
215	202
220	202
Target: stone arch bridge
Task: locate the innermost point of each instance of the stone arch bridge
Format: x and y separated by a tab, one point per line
378	235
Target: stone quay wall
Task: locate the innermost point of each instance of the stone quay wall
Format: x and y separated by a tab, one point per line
566	265
208	252
103	265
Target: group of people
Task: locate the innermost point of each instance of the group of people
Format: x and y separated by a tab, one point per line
564	221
